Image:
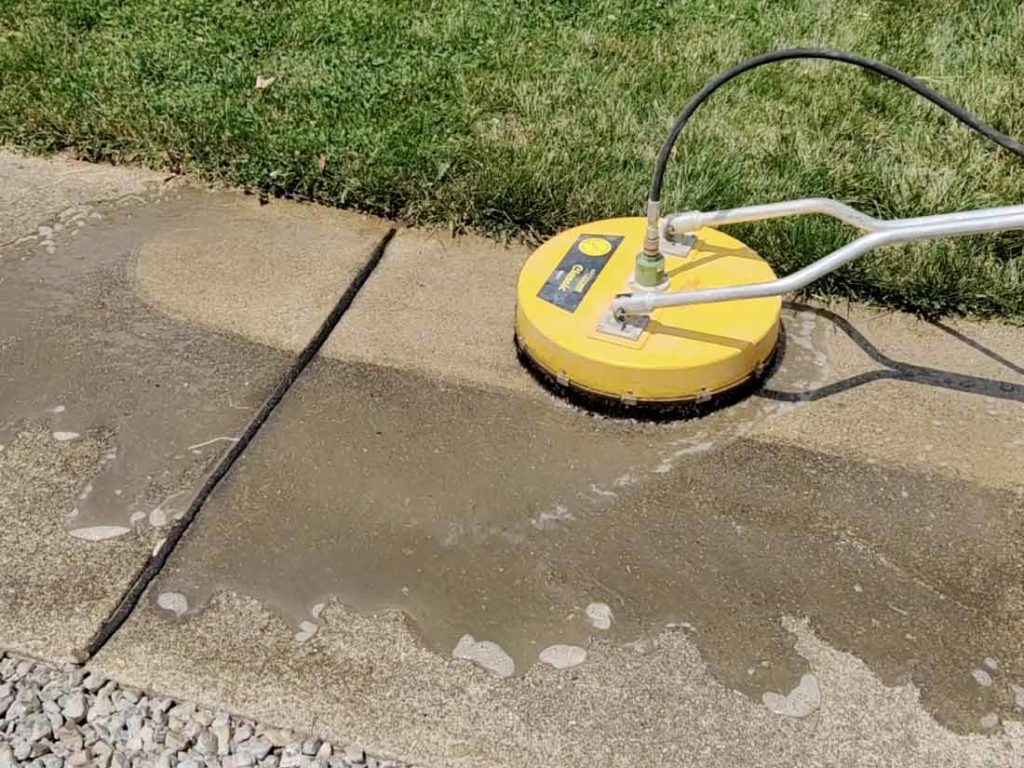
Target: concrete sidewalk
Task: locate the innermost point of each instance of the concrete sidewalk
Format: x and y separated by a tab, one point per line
424	552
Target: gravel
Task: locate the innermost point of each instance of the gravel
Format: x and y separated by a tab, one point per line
72	718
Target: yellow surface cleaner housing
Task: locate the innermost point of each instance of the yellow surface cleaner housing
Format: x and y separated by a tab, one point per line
566	327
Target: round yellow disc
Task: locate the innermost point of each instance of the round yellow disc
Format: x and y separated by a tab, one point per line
595	246
563	322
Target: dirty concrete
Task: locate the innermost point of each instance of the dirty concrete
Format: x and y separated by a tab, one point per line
945	396
50	191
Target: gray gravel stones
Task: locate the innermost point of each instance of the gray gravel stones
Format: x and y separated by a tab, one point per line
70	718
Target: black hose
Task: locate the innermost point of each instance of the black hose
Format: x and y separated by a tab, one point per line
863	62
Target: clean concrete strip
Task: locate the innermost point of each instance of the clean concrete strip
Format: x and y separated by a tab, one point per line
438	304
443	306
268	273
888	388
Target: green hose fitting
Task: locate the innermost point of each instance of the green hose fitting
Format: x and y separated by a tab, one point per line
650	264
650	270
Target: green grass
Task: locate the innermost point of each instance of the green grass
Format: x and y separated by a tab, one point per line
519	119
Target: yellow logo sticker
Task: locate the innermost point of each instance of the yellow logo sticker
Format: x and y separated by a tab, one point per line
595	246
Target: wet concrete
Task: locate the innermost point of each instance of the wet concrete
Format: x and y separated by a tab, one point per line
83	355
367	678
112	411
500	525
56	590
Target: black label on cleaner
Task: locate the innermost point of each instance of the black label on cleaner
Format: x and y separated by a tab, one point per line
578	269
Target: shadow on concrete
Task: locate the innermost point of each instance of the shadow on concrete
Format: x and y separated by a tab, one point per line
895	370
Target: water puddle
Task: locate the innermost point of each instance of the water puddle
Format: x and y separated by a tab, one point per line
82	355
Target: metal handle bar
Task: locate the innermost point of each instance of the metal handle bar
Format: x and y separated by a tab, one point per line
680	223
880	233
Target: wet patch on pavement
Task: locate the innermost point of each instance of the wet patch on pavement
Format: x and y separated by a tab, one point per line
54	590
111	412
82	355
511	531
